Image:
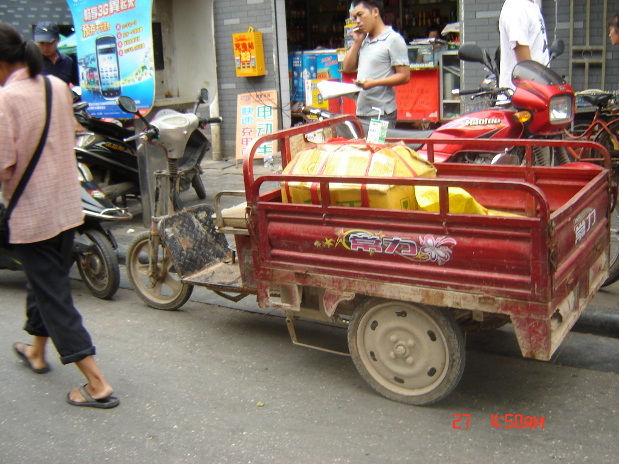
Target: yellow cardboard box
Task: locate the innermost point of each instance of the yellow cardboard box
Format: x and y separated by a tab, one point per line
460	201
357	158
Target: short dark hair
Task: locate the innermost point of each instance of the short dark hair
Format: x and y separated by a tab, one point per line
614	22
371	4
14	50
433	28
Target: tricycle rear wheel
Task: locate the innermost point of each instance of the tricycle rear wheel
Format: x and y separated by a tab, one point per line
407	352
165	291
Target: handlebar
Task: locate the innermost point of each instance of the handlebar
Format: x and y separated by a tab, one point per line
470	92
80	106
479	92
206	121
150	134
318	113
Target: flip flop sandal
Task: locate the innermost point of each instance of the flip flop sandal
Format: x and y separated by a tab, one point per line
25	359
103	403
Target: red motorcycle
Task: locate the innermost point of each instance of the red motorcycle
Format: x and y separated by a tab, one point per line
540	108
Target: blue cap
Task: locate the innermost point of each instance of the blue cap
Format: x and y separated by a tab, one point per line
46	31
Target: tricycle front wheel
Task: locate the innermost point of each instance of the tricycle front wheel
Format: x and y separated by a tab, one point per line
164	290
407	352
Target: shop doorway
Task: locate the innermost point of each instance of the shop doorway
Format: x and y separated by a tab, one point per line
312	24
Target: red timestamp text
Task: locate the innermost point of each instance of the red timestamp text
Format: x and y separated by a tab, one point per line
516	421
504	421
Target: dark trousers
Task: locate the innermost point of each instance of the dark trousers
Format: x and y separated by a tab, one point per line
49	306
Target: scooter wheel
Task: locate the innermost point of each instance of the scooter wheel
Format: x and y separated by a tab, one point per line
198	186
162	291
98	267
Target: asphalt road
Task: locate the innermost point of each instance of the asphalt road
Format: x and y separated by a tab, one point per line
209	384
218	382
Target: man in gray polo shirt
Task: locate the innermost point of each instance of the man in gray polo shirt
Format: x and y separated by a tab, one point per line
380	57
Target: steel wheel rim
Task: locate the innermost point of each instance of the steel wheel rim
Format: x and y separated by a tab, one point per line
95	270
403	349
164	289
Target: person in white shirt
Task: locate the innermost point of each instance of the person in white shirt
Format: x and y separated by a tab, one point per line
523	37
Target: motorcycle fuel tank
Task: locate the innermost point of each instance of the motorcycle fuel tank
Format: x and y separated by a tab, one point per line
484	124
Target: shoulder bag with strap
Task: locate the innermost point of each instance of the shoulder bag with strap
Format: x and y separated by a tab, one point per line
5	213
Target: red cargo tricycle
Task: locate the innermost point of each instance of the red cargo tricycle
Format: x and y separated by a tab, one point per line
405	283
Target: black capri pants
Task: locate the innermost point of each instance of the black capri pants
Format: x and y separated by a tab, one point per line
49	306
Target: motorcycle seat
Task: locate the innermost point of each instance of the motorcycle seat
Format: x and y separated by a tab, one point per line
235	216
233	220
110	129
401	134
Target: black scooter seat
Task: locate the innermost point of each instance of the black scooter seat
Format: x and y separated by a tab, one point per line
108	129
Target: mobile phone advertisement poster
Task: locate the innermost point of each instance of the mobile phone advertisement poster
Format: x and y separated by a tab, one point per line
114	54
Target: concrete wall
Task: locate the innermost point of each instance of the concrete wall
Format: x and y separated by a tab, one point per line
23	14
232	17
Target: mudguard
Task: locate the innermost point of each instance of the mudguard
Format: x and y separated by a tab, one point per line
192	240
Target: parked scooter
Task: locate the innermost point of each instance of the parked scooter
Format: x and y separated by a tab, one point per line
153	276
114	162
94	248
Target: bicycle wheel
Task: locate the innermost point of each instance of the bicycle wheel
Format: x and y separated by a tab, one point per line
580	126
609	137
613	261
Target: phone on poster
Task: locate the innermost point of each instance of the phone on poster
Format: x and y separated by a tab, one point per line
107	65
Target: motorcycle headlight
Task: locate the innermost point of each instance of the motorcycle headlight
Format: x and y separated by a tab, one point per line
561	109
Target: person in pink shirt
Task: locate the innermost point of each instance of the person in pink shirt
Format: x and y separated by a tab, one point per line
43	221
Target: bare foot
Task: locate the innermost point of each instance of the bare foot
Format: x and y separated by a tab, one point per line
35	361
77	397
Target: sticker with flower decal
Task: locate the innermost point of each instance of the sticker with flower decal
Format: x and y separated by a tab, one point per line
428	248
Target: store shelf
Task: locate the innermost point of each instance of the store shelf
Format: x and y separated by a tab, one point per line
410	18
449	72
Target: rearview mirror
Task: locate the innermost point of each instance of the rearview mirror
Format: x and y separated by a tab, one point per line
556	49
471	52
127	104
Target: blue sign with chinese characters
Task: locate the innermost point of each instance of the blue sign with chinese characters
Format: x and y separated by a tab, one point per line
114	53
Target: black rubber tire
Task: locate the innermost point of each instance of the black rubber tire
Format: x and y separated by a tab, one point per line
407	352
198	186
613	261
99	268
168	293
611	143
580	126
